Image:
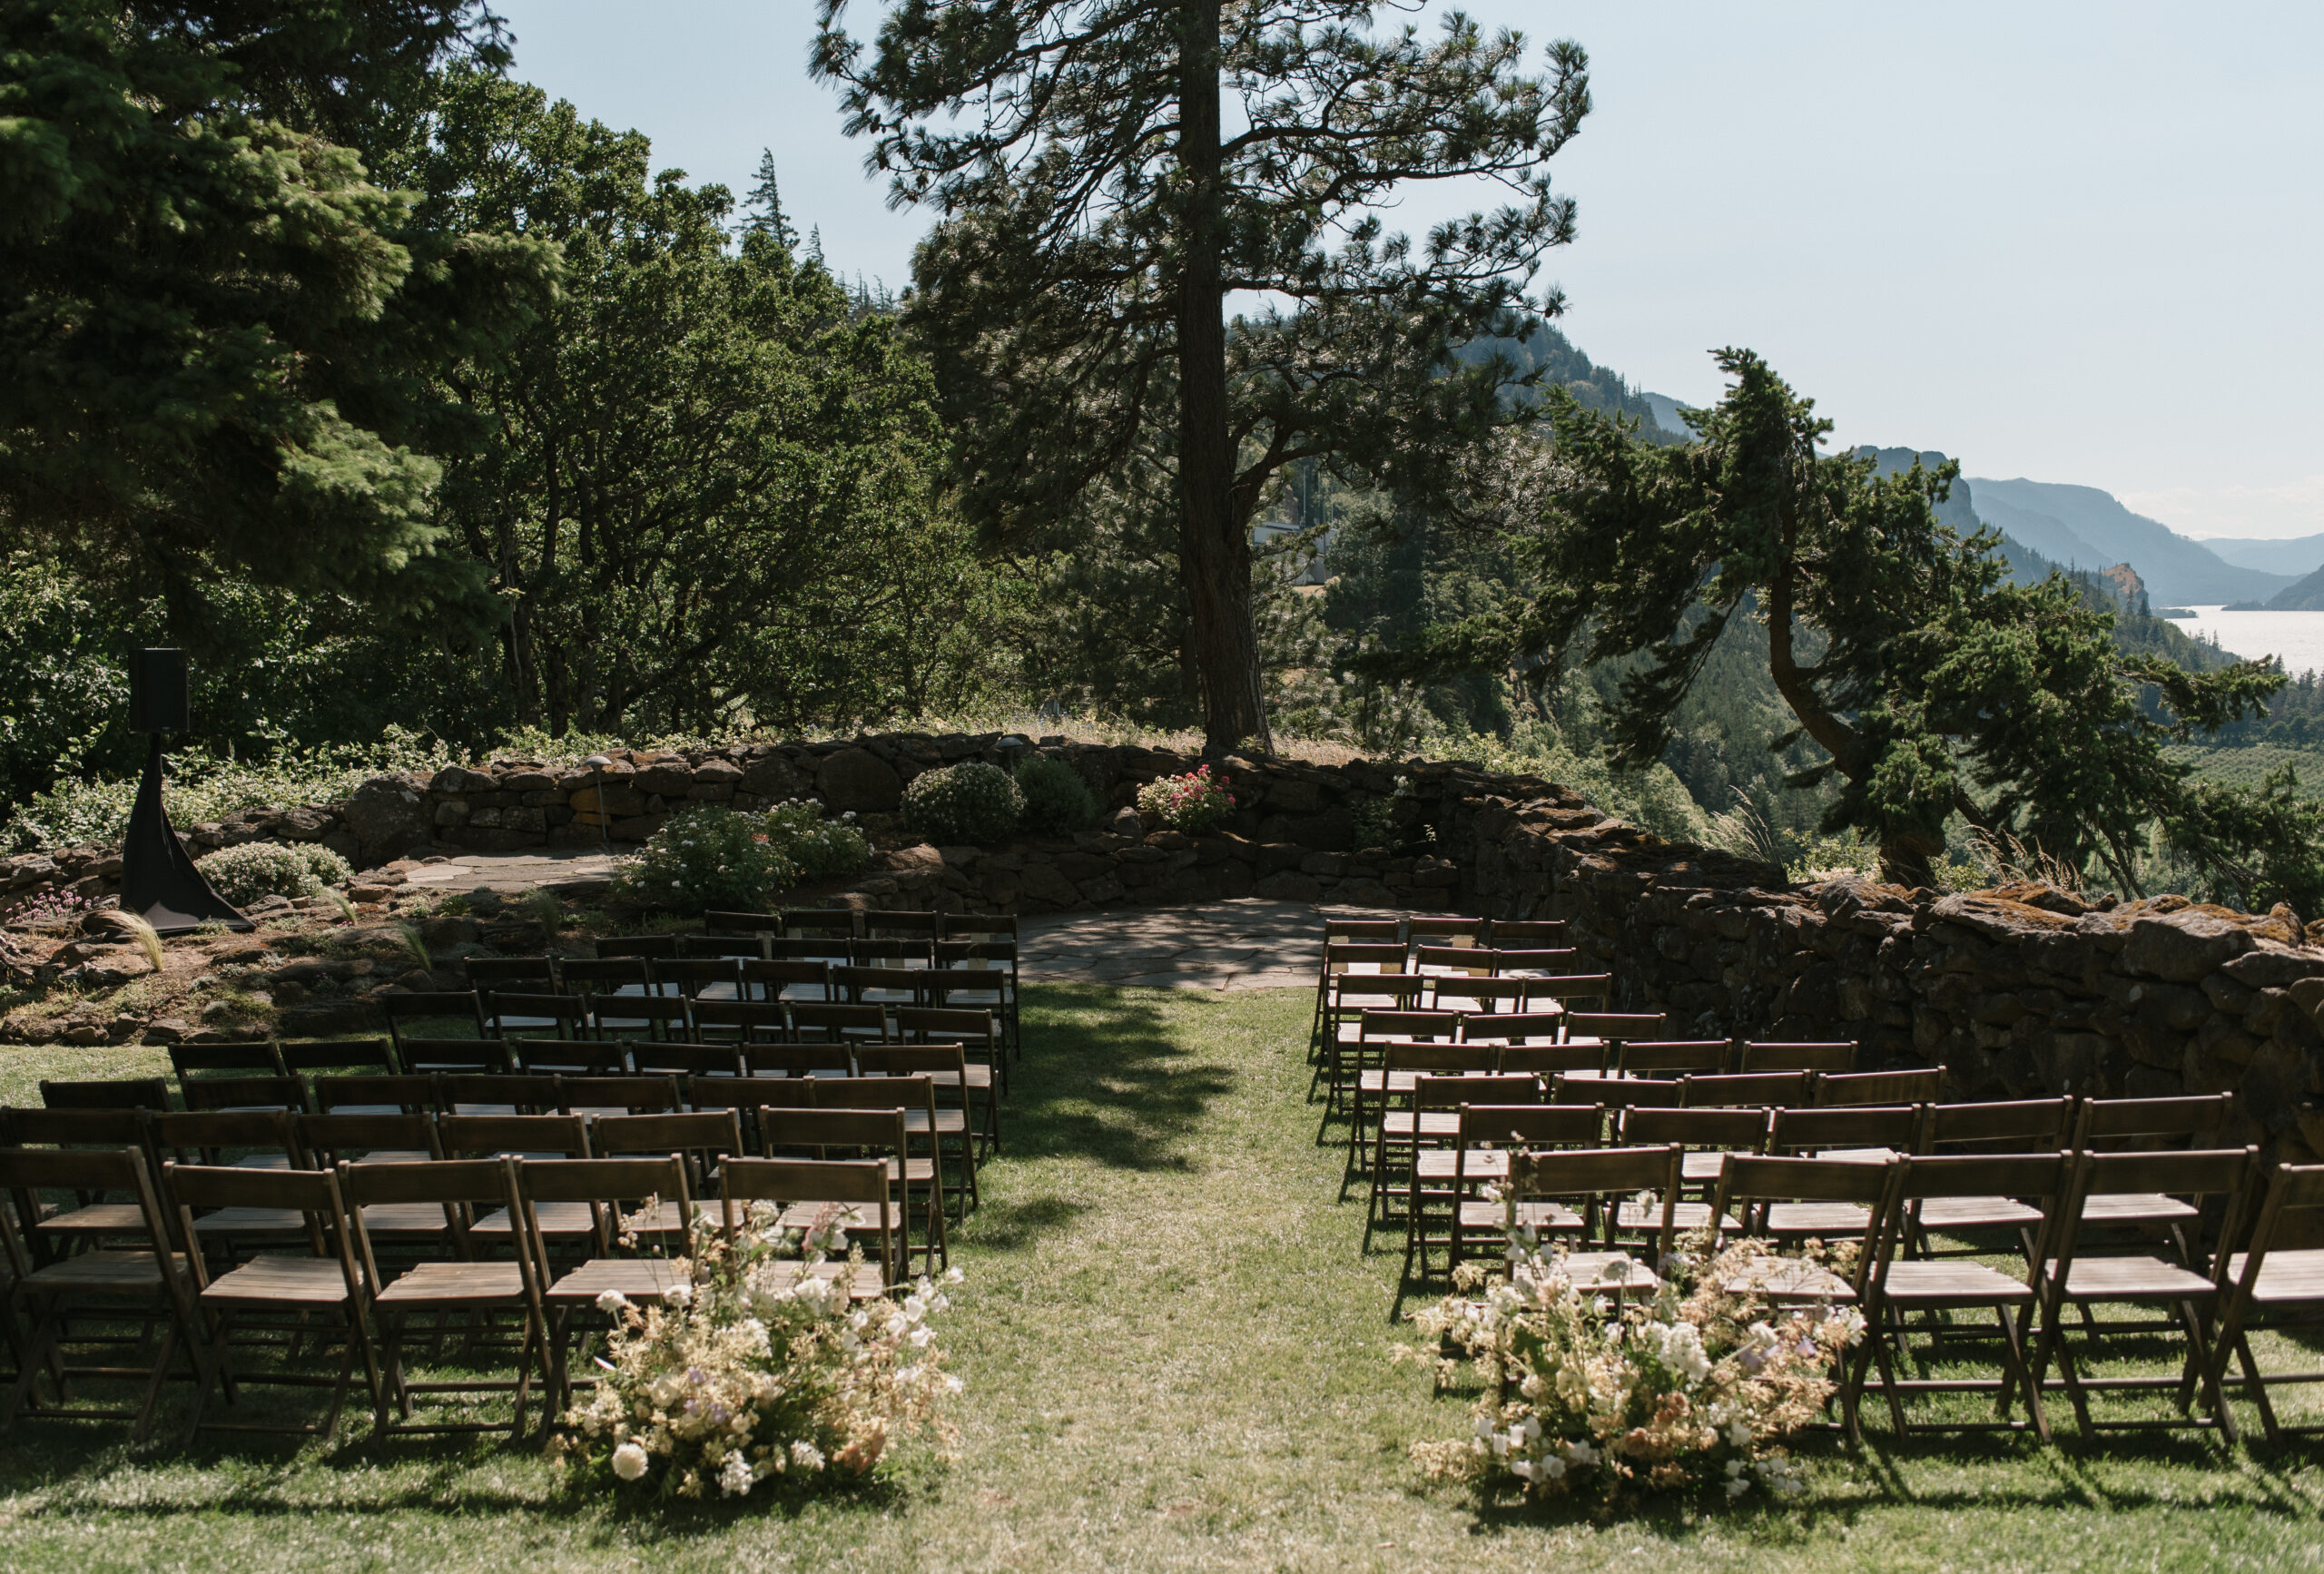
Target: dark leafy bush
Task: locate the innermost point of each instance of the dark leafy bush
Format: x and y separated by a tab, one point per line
1057	798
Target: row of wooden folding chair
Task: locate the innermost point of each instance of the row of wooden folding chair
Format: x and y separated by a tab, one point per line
1414	929
866	923
341	1278
1355	975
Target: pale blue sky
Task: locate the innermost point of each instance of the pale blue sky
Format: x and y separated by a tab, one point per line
2070	242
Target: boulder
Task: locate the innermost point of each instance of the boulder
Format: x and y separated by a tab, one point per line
2181	946
386	815
859	780
771	776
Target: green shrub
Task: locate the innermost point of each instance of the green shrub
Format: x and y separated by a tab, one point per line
259	869
1057	798
1193	802
705	857
972	802
820	848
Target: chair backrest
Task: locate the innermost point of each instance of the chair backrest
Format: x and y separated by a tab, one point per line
458	1186
743	923
77	1127
776	980
1498	996
859	1022
2010	1126
430	1005
1603	1173
975	955
1754	1183
505	972
952	1025
1374	932
522	1011
785	948
690	976
2194	1174
637	1094
801	923
1538	1029
603	974
1450	930
1536	1125
637	946
608	1185
1458	960
373	1056
1355	993
640	1016
839	1183
705	1133
314	1193
705	1060
1564	987
855	983
1536	962
2037	1178
473	1136
740	1022
1550	1059
1436	1055
460	1056
257	1057
331	1139
117	1093
819	1130
1824	1127
1392	1024
1620	1092
906	921
890	953
1652	1056
26	1172
1918	1086
214	1131
1765	1090
987	926
526	1093
912	1060
413	1093
568	1057
1613	1029
1838	1058
1382	956
2144	1122
246	1093
1726	1131
1451	1092
788	1060
733	948
1524	934
2280	1220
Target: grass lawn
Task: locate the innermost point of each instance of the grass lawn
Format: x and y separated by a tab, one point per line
1175	1359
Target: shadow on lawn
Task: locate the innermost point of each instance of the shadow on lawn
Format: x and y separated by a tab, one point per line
1104	1079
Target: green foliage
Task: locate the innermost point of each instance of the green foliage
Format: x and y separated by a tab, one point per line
256	868
1194	802
1056	799
820	848
709	856
969	803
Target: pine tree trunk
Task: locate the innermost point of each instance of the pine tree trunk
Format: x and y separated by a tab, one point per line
1213	549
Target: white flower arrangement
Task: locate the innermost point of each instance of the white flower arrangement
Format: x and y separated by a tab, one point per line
1698	1386
754	1367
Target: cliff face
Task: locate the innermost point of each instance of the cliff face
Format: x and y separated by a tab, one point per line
2128	591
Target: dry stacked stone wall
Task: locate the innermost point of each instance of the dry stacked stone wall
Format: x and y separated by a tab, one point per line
2023	990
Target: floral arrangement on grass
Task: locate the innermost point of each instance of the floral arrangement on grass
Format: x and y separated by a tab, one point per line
1589	1394
820	848
1193	802
709	856
757	1371
969	803
261	869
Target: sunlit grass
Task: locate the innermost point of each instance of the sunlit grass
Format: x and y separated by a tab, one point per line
1176	1358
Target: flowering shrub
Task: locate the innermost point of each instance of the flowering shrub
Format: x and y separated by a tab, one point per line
258	869
1056	799
705	857
970	801
820	848
749	1374
1586	1394
1197	802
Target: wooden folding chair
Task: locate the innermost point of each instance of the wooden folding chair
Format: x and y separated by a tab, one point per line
630	946
536	1016
266	1140
694	977
1837	1058
1618	1092
535	973
1549	1060
1343	957
612	975
632	1017
530	1137
1397	1126
710	1075
1864	1134
437	1288
979	926
1537	962
821	923
149	1284
1373	931
1706	1137
568	1057
1429	1124
1669	1056
1596	1178
404	1094
92	1218
750	946
369	1137
1466	961
743	923
1524	934
642	1231
818	1134
979	975
1366	1062
1762	1089
809	1191
1355	999
462	1007
900	923
788	981
246	1093
2273	1283
1489	1135
978	1033
458	1056
933	1109
488	1093
324	1282
2118	1124
116	1093
842	1024
891	988
1612	1028
1475	995
355	1057
703	1140
1453	929
1936	1292
1515	1028
746	1022
1919	1086
254	1058
593	1096
1561	991
1968	1130
2187	1300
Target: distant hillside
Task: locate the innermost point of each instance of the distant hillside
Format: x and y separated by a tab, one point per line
2085	528
1560	365
2308	596
2302	554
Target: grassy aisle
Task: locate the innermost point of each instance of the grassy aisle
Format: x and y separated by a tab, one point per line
1175	1360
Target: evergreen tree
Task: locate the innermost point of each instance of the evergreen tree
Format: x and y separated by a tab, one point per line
1099	205
764	205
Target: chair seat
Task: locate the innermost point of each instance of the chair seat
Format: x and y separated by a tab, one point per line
2135	1208
1397	1123
1684	1215
1701	1166
1611	1271
97	1219
1479	1214
2285	1277
405	1219
806	1215
2134	1279
948	1122
1818	1219
862	1281
565	1220
1485	1163
308	1281
1790	1279
638	1278
915	1170
253	1222
1951	1281
112	1272
456	1284
1976	1214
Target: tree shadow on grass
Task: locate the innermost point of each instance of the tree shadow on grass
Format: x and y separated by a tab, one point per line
1106	1079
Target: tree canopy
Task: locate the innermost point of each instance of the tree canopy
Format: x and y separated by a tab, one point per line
1098	208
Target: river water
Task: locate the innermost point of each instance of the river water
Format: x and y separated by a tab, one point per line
2296	636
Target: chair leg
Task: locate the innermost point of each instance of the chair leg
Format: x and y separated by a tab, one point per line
218	1371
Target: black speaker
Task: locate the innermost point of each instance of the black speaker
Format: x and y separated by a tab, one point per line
157	693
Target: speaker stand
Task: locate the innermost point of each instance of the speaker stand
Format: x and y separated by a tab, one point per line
158	881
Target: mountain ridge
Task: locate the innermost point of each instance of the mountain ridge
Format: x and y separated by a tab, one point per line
2084	527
